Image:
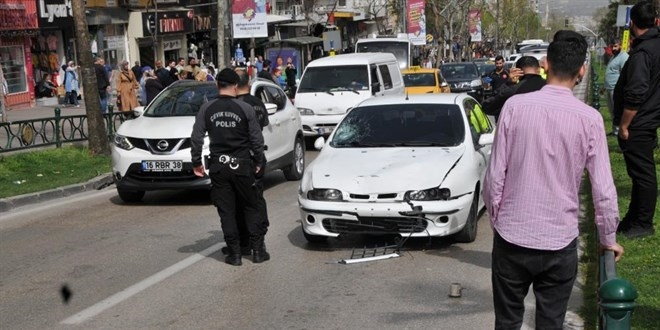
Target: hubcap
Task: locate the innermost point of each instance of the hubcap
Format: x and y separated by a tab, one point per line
300	159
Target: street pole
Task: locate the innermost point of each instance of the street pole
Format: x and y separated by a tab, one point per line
497	25
222	12
155	34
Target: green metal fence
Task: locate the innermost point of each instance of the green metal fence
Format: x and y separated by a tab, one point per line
52	131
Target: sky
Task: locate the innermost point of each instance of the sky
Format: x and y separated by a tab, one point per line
572	7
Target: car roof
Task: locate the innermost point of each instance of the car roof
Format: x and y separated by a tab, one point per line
419	70
352	58
459	63
443	98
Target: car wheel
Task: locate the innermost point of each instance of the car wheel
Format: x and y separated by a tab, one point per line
469	233
130	196
295	171
314	239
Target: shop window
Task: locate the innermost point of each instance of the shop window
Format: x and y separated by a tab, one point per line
13	67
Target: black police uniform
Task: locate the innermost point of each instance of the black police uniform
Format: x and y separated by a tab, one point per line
235	136
262	117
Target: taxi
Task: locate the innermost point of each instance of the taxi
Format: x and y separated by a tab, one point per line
421	81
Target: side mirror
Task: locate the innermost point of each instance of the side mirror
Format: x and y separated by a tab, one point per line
271	108
319	142
486	139
375	88
137	112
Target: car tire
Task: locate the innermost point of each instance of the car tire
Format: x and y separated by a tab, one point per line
469	233
314	239
294	172
130	196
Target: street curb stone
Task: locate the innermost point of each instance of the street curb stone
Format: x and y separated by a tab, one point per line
97	183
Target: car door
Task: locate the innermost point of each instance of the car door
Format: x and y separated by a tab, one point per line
275	134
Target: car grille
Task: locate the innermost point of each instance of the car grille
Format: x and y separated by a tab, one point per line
375	225
151	145
186	174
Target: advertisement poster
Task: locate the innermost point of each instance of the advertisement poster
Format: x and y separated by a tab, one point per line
281	56
249	19
416	22
474	25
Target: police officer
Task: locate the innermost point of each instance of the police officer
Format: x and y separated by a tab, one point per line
236	153
243	94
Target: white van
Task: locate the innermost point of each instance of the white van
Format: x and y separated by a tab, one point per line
331	85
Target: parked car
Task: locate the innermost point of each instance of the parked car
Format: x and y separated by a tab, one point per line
408	165
464	77
419	81
152	151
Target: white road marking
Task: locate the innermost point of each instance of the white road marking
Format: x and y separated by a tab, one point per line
127	293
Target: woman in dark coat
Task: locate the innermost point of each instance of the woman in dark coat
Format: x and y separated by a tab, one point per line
152	86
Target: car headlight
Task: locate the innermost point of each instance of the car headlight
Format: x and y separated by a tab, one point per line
476	83
122	142
324	195
306	112
433	194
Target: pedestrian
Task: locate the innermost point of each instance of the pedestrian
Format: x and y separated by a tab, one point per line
527	75
152	87
163	74
259	63
277	76
137	69
612	73
637	103
126	87
543	70
265	72
500	75
71	84
291	73
544	142
174	72
146	73
236	151
102	83
46	88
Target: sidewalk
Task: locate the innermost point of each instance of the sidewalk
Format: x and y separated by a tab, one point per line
44	111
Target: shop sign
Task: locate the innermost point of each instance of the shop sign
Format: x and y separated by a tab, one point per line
171	44
114	42
167	22
16	16
55	13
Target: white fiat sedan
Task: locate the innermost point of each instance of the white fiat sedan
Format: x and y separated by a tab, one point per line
408	165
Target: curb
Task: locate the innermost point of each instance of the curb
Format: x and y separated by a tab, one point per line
97	183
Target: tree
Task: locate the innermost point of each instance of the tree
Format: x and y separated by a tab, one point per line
376	9
98	138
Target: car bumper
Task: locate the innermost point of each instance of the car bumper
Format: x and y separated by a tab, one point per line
128	174
331	219
320	125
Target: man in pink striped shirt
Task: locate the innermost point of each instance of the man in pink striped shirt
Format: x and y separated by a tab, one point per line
544	142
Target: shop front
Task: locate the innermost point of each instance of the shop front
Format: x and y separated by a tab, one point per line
15	54
107	24
54	46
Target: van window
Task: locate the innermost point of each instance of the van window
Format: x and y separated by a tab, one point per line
387	78
334	78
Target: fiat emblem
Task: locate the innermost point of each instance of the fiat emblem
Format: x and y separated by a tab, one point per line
162	145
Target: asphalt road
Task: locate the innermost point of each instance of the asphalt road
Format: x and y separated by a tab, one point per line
157	265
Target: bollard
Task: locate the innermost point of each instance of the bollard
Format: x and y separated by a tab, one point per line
617	302
58	140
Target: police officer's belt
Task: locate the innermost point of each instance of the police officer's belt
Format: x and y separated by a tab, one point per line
233	162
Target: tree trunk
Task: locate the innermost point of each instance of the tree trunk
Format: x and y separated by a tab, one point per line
98	138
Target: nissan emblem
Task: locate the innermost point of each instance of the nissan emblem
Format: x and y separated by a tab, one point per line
162	145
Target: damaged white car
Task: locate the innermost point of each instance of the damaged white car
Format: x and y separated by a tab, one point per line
408	165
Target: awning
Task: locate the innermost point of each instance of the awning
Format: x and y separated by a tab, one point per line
297	24
343	14
305	40
271	19
108	15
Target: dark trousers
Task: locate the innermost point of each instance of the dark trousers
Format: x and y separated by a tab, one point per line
551	273
261	205
638	155
71	97
230	190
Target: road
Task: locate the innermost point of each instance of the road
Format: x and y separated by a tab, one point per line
157	265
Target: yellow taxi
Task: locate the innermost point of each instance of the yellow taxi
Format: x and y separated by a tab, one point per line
421	81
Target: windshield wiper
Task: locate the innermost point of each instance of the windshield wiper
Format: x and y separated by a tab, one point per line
421	144
348	89
357	144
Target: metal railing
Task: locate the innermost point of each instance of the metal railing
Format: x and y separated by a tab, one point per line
52	131
616	296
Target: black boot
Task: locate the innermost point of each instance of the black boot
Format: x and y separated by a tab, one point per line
245	250
259	253
234	254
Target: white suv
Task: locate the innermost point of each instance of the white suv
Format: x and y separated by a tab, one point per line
152	151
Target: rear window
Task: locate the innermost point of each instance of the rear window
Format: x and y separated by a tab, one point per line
334	78
419	79
181	100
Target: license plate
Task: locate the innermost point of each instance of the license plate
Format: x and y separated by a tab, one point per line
325	130
162	165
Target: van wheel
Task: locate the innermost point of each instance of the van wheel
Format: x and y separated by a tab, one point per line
295	171
469	233
130	196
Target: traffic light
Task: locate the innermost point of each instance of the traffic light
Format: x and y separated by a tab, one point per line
566	23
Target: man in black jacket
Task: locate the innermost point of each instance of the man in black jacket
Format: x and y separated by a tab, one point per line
163	74
531	81
265	72
637	104
102	82
236	150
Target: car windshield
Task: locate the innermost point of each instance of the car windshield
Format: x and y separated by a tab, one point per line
328	79
401	125
419	79
485	67
459	71
181	100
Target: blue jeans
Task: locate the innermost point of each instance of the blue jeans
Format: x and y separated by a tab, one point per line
103	95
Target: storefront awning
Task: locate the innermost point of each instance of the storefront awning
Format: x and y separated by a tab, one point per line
102	16
271	19
305	40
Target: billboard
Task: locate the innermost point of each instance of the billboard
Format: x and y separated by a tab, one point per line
416	22
474	25
249	19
